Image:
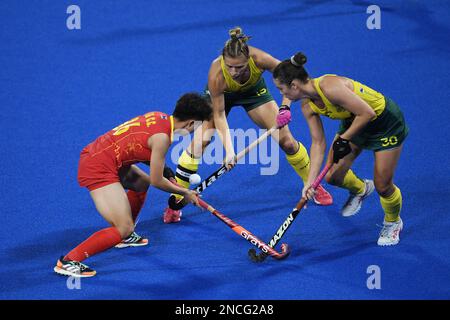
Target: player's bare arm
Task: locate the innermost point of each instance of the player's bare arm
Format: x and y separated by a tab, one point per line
265	61
318	145
159	144
340	94
217	86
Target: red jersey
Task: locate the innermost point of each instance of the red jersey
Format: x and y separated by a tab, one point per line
127	144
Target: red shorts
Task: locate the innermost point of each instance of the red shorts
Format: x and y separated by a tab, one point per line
96	172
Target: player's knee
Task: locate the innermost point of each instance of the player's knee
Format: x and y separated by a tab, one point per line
133	179
384	187
333	178
142	185
289	145
197	149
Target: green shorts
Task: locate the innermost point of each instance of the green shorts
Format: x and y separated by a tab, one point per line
387	131
250	99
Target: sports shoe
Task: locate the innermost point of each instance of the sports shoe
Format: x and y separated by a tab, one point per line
73	268
322	196
390	233
354	201
133	240
172	216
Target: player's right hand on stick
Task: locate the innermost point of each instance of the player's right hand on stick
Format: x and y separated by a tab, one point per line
191	196
308	193
230	161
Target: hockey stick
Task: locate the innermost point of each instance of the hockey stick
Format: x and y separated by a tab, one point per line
221	171
247	235
287	223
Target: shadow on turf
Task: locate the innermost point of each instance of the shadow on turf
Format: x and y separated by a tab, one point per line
53	244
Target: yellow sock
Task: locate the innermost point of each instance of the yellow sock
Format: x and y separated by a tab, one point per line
353	183
300	162
392	206
187	165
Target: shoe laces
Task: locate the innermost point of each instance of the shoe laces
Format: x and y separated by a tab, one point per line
350	199
352	196
173	211
81	266
134	237
387	229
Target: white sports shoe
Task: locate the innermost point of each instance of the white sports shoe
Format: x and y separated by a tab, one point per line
390	233
354	201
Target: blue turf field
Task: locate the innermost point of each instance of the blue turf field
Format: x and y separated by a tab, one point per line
60	89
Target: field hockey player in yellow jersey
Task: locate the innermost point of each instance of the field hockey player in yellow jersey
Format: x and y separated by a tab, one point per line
235	78
369	120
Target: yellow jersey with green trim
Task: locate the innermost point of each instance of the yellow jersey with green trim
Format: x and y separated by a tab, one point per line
234	86
373	98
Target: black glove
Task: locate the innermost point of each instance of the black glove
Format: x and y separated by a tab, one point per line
341	148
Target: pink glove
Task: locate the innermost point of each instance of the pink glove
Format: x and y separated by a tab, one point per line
283	116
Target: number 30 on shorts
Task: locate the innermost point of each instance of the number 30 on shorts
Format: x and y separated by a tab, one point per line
391	141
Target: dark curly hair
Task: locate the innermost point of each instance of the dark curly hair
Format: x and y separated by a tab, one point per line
192	106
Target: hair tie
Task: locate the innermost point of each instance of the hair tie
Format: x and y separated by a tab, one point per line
295	62
243	36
